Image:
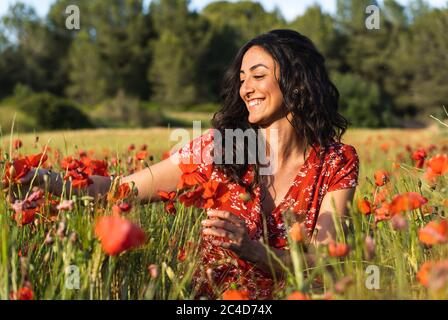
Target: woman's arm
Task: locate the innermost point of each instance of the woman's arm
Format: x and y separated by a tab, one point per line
230	226
163	175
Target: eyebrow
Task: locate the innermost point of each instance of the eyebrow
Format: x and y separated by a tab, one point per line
255	67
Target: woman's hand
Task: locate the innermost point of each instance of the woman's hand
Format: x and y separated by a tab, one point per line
35	177
226	225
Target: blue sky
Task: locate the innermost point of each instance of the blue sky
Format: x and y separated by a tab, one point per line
289	8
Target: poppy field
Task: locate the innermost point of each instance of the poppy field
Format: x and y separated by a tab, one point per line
78	247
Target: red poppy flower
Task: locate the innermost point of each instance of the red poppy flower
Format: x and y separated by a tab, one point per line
433	274
338	249
118	234
17	144
437	165
23	293
419	156
95	167
215	193
141	155
192	197
435	232
381	177
385	147
406	202
364	206
383	212
131	147
297	295
235	295
168	198
122	192
191	176
380	196
26	216
68	163
20	167
79	179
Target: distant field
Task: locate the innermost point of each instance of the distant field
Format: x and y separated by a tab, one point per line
158	139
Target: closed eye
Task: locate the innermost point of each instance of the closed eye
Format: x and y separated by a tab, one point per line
256	77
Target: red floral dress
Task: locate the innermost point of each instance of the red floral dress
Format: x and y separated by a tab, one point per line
322	172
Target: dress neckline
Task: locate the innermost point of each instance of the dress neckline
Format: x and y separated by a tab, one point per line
300	174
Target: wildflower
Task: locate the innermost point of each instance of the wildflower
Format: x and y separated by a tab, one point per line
24	213
131	147
24	293
191	176
17	144
297	295
435	232
399	222
79	179
437	166
338	249
118	234
168	199
122	192
407	201
381	177
433	274
65	205
383	212
141	155
232	294
215	193
419	156
364	206
20	167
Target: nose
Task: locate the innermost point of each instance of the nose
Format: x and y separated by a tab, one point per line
247	88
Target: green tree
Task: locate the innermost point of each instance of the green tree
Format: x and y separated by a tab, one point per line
181	40
114	37
321	29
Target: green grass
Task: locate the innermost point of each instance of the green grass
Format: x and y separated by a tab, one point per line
398	254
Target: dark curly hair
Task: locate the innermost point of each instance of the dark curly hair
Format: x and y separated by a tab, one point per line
308	94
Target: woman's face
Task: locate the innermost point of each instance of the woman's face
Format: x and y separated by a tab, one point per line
259	87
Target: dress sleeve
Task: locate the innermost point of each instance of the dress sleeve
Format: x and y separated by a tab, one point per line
347	170
196	154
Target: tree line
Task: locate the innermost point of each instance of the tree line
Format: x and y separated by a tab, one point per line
175	57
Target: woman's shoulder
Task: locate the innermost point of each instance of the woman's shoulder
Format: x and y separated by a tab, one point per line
341	150
338	155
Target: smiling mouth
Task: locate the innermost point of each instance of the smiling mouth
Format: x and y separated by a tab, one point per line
256	102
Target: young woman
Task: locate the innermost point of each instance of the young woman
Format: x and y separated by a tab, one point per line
277	82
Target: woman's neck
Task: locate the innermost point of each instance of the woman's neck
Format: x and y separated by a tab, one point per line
284	140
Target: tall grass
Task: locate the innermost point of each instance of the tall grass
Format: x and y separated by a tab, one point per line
41	253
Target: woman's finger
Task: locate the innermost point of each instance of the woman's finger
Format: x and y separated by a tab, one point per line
222	224
218	233
225	215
